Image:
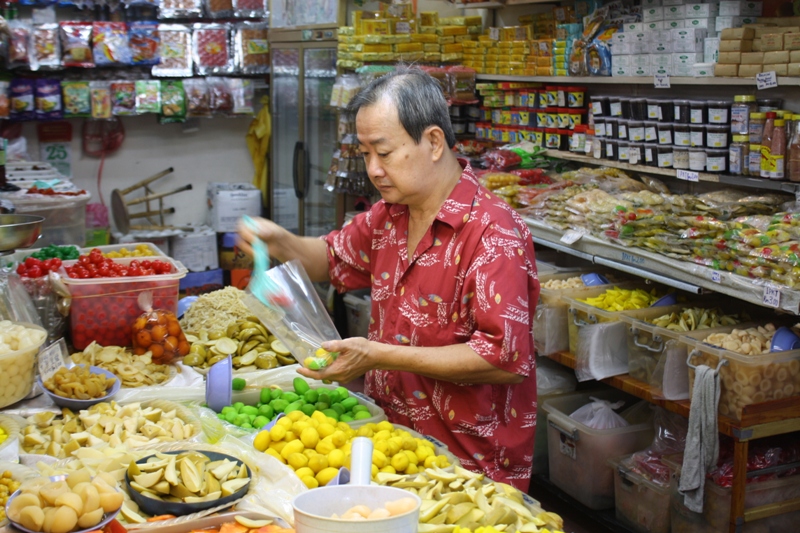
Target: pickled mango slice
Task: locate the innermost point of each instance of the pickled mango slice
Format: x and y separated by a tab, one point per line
617	299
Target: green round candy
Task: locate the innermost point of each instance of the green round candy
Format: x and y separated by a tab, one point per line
301	386
321	406
294	406
266	411
325	397
220	416
249	410
241	419
230	417
260	422
346	418
278	405
308	409
265	395
331	413
275	393
238	406
228	409
313	364
349	403
359	408
339	408
361	415
290	396
311	396
238	384
246	426
342	392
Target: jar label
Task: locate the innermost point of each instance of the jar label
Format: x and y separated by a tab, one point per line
552	140
650	133
735	159
696	138
716	140
541	120
610	150
575	99
739	120
654	111
697	160
616	109
551	120
683	138
648	155
574	120
623	153
634	155
665	137
755	163
597	109
636	134
552	98
696	116
680	159
717	115
665	160
600	130
715	164
597	149
623	131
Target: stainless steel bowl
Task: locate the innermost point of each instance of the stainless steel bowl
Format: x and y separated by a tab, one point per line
19	231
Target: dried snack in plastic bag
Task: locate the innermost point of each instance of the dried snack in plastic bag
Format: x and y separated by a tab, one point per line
501	159
144	42
110	44
22	105
76	44
219	8
5	104
48	99
242	92
211	49
251	8
45	49
180	9
148	96
197	97
175	51
123	98
157	331
100	92
19	43
221	98
173	102
462	84
252	47
77	98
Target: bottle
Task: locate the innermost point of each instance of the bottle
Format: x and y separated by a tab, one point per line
793	159
739	155
766	144
778	151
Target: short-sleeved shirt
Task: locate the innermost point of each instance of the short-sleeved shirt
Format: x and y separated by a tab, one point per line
472	279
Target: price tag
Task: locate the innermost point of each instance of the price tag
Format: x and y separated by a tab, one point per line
52	358
772	296
716	277
571	237
688	175
402	27
58	154
766	80
567	447
661	81
494	34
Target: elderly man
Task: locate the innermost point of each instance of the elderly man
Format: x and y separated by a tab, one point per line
453	279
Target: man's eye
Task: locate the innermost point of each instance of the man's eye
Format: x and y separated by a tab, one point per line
383	155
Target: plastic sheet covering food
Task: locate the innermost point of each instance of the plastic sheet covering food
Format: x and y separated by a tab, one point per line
602	351
550	331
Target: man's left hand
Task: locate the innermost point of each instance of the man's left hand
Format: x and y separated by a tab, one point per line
356	357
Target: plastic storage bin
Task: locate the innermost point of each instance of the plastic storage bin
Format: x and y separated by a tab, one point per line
639	503
745	379
578	455
552	381
104	309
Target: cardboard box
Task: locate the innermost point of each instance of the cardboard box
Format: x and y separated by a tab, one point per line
752	58
730	8
749	71
791	41
641	71
673	24
752	9
682	69
196	249
642	60
781	56
780	21
619	48
740	45
757	45
660	48
666	3
640	48
618	61
764	30
651	3
687	58
711	49
703	23
634	27
794	56
674	12
703	70
701	10
661	61
656	25
737	33
659	36
228	202
771	42
726	70
620	71
688	39
781	69
729	58
652	14
793	70
723	23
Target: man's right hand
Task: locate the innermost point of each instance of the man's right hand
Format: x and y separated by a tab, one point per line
267	231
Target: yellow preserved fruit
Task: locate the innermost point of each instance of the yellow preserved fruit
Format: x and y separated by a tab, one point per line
141	250
617	299
3	435
7	487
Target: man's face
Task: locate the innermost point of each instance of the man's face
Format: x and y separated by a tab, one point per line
398	167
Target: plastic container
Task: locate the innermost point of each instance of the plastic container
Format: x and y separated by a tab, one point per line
716	160
717	136
719	112
654	108
611	149
680	157
697	135
650	131
622	129
625	104
755	127
665	157
9	448
639	503
547	389
743	106
600	127
623	153
64	217
739	155
612	128
638	108
697	159
698	112
769	104
636	130
664	132
578	455
104	309
17	370
680	111
635	153
614	106
599	106
650	154
681	134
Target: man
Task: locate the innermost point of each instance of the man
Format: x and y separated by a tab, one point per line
453	279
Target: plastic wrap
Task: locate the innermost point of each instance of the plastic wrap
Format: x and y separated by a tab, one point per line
197	97
76	44
76	98
100	92
22	99
550	332
602	351
173	101
241	91
19	43
252	48
144	43
180	9
5	103
175	57
462	84
219	8
123	98
552	378
669	439
48	99
110	45
600	415
251	8
220	96
211	49
45	48
148	96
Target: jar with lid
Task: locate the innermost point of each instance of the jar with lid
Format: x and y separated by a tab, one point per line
639	108
681	134
680	157
599	147
754	159
766	143
625	104
650	131
664	133
612	127
650	154
622	128
777	164
697	135
717	136
719	112
578	139
743	105
600	127
614	106
456	110
635	153
590	140
680	111
697	159
575	96
635	130
611	149
471	127
664	155
768	104
660	110
552	139
622	151
599	105
698	112
739	155
716	159
755	127
459	126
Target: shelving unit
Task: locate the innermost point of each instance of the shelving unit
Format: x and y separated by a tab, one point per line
503	3
636	80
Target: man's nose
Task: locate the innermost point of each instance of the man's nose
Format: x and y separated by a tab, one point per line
374	167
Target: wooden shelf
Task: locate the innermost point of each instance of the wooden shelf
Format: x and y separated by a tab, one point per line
635	80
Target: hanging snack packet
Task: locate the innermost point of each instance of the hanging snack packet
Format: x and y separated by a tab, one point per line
110	44
144	43
19	43
246	9
252	48
173	102
77	99
45	51
157	331
76	44
148	96
48	99
5	105
211	49
197	97
221	98
101	99
176	51
217	9
242	91
180	9
22	99
123	98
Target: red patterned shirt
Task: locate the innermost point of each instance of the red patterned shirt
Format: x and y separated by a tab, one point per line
472	280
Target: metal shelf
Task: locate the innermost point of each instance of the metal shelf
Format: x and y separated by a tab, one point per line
503	3
662	269
635	80
481	5
736	181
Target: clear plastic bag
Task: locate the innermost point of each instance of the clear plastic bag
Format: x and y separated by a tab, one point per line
550	331
600	415
671	375
553	378
602	351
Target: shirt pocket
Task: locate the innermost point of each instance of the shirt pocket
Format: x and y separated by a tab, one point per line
430	321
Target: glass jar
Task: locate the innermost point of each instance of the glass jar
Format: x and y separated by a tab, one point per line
754	159
680	157
614	106
575	96
697	135
716	160
650	131
664	155
622	128
635	130
739	155
650	155
680	111
697	159
719	112
625	104
768	104
599	105
756	127
681	134
635	153
743	105
698	112
665	133
611	149
471	127
612	127
639	108
622	151
717	136
459	126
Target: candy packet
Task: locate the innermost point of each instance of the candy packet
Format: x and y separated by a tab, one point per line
173	102
252	47
77	98
19	43
76	44
221	98
144	42
101	99
45	51
211	49
246	9
22	105
48	99
148	96
123	98
197	97
219	8
110	44
180	9
175	52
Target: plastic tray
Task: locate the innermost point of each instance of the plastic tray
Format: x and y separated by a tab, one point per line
639	503
579	455
745	379
103	309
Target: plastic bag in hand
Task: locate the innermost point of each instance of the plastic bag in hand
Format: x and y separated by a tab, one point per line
600	415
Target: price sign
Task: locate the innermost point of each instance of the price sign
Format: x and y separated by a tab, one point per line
661	81
766	80
402	27
52	358
772	296
688	175
494	34
571	237
58	154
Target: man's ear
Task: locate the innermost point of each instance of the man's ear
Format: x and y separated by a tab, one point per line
434	135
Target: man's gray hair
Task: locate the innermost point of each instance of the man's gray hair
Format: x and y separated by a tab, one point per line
416	95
